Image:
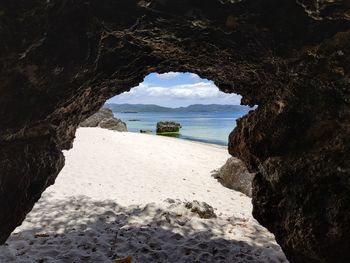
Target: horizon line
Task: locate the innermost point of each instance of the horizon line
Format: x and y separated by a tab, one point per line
111	103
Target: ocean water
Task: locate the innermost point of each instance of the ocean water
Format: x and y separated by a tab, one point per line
212	127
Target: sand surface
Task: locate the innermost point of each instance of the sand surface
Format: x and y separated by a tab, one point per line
139	195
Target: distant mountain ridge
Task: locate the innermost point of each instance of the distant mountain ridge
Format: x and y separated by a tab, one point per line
192	108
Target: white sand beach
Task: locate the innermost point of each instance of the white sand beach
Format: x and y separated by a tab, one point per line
128	194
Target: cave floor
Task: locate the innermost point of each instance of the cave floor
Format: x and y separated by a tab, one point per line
125	194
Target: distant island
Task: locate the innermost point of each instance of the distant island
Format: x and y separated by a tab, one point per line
134	108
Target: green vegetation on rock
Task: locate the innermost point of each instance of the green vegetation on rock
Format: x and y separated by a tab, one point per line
169	134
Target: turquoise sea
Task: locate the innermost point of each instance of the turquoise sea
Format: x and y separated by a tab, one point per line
209	127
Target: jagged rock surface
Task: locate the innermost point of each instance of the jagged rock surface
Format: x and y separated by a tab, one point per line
104	118
60	61
202	209
168	126
113	124
234	175
95	119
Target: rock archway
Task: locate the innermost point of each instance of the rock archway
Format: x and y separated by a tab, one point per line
60	60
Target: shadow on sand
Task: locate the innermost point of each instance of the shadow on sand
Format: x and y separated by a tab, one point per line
78	229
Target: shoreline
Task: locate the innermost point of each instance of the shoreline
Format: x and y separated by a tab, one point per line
186	139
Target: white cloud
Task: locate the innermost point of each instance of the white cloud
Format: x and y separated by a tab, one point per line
181	90
169	75
200	92
194	76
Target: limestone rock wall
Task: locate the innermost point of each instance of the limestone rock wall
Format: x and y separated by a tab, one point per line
60	61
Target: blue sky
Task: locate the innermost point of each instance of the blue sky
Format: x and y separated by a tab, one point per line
175	89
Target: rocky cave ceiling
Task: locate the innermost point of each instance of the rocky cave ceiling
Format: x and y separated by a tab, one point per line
60	60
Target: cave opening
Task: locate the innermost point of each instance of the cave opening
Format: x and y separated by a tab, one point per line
153	197
205	113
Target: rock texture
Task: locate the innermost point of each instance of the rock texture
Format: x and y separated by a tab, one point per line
202	209
168	126
113	124
104	118
234	175
146	131
60	61
95	119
